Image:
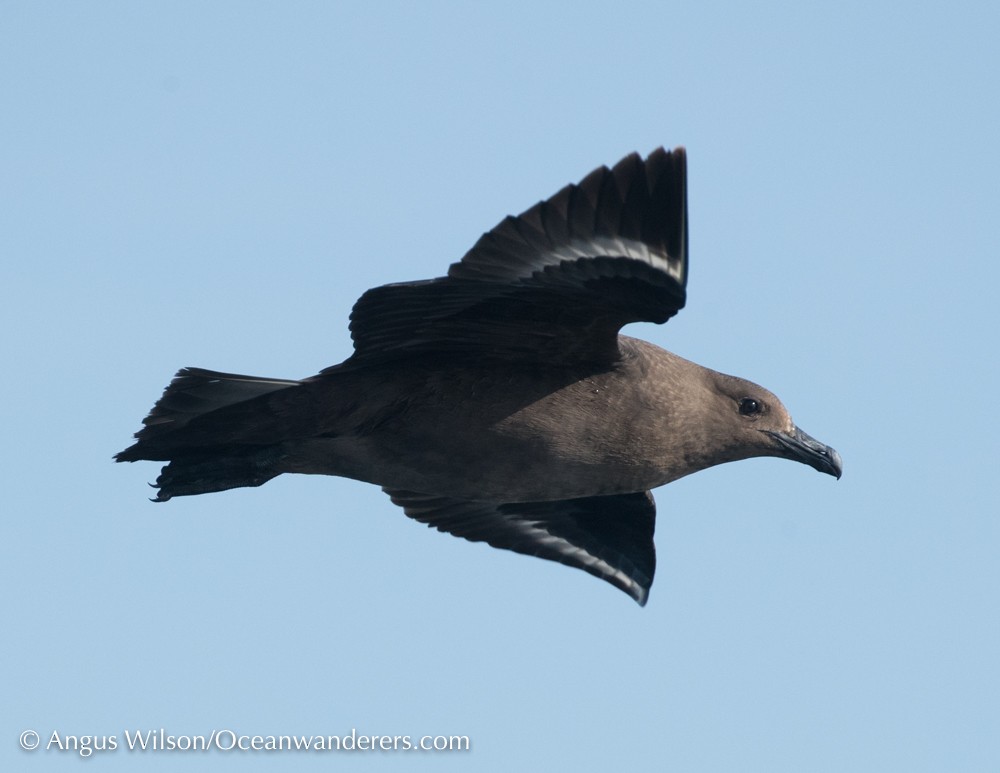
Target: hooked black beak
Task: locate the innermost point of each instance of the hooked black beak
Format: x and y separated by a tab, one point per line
800	447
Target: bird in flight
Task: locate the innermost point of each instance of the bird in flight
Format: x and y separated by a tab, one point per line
500	403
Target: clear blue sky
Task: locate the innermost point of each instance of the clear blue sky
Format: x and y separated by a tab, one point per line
214	184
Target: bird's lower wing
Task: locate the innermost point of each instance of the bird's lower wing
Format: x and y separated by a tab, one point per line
610	537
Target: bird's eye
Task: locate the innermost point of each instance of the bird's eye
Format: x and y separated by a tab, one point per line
749	407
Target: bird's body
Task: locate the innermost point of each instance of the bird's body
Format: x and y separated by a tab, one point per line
484	431
500	403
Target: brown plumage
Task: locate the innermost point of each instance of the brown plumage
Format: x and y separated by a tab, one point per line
500	403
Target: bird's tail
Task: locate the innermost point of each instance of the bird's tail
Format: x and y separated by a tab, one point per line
201	425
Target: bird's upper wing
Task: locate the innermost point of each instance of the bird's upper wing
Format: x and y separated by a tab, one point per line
609	536
554	284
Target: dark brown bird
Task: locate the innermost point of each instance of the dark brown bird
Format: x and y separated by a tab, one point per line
499	403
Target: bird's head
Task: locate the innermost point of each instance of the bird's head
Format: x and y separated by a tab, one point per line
751	421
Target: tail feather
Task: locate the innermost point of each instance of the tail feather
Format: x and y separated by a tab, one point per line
193	393
214	432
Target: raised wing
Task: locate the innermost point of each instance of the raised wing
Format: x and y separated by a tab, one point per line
554	284
610	537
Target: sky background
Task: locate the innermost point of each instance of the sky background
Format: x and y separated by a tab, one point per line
214	184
